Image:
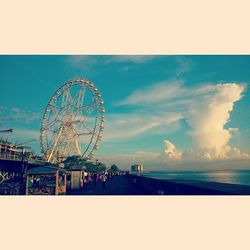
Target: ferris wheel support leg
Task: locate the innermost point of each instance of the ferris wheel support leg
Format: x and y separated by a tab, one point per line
57	139
77	147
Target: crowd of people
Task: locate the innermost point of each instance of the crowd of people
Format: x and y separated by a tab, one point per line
95	178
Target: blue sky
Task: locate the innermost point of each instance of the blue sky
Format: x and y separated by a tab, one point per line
162	110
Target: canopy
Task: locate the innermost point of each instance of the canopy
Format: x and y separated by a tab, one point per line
44	170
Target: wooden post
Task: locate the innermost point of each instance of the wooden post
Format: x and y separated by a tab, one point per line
27	185
65	182
56	191
71	180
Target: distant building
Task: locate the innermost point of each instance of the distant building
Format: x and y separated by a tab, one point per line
8	151
137	168
14	152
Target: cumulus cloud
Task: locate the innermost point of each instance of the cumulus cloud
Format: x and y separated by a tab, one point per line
171	151
206	108
208	117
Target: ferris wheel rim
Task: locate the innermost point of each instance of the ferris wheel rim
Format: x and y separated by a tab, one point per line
99	118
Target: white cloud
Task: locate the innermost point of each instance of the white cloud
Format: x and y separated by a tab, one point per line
85	62
171	151
147	154
207	111
156	161
126	126
29	137
157	93
16	114
26	134
184	65
131	58
208	117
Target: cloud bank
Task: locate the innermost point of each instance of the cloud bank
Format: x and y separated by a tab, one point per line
207	117
206	108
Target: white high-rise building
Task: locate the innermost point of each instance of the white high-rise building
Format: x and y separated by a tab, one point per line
137	168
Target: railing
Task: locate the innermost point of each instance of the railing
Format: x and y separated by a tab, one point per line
10	157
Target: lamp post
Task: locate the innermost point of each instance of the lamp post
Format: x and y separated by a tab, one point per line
24	168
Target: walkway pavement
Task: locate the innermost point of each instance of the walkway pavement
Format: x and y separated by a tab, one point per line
123	185
117	185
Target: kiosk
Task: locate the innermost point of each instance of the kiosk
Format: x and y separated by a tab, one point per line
76	177
46	180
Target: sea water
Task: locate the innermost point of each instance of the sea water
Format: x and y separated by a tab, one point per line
241	177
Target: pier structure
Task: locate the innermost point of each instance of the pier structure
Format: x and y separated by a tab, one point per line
13	164
9	151
11	176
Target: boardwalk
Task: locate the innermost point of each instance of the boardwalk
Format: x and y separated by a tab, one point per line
123	185
118	185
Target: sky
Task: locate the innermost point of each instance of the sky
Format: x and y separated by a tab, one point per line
167	112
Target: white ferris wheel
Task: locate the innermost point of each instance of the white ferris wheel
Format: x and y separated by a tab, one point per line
72	122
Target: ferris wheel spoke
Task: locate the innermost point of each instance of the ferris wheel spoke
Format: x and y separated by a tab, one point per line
71	102
54	107
66	102
55	144
64	98
76	138
54	131
80	134
87	128
51	123
80	97
88	117
78	101
89	109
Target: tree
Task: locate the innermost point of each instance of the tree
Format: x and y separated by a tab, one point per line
95	167
114	169
75	161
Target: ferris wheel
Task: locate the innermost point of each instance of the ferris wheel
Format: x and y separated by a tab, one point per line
72	122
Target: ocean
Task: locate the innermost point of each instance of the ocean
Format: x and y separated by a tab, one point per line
241	177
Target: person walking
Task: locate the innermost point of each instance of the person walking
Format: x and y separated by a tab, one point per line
104	179
96	177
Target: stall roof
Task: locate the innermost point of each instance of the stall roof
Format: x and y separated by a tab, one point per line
45	170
